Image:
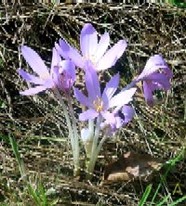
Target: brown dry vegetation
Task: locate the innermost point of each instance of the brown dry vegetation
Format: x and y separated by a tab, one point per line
37	122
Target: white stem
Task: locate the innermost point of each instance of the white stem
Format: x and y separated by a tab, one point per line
72	136
94	153
76	136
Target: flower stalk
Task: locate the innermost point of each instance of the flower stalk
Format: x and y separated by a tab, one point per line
94	150
76	149
73	133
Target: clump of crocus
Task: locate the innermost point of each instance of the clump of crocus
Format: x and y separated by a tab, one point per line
106	109
93	50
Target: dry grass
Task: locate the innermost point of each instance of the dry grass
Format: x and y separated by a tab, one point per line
37	123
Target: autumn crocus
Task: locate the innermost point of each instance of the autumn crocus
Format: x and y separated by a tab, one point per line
60	77
61	74
100	104
92	50
64	75
122	117
155	76
100	108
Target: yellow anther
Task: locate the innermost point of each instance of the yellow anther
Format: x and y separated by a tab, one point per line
98	104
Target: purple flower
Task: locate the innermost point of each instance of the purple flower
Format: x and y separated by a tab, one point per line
122	117
64	75
92	50
57	77
102	104
155	76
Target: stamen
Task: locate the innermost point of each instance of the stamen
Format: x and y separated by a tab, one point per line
98	104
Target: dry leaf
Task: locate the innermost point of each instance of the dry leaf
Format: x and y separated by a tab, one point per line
131	166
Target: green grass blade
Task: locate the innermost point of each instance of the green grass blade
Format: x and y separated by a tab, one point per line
33	194
145	195
156	192
177	202
163	201
17	155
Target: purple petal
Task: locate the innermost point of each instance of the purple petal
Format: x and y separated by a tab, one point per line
72	53
119	122
30	78
69	68
102	46
88	115
55	59
110	89
62	49
92	83
33	90
49	83
35	61
148	93
82	98
160	79
63	79
154	86
153	64
168	72
56	76
109	117
124	97
88	40
128	113
112	55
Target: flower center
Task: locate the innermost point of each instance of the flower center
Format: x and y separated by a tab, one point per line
91	58
98	104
